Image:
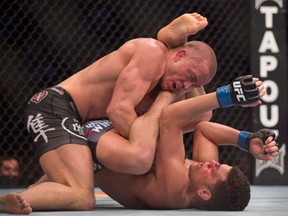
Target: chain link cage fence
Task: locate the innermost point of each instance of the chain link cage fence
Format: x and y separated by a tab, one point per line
44	42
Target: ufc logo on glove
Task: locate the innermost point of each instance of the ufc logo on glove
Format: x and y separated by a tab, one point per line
241	91
237	88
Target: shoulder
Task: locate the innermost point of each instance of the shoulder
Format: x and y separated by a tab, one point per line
151	45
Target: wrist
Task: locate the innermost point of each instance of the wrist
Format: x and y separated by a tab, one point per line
224	96
242	141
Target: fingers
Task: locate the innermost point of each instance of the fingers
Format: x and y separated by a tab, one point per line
253	104
262	93
261	89
271	147
255	79
266	157
260	86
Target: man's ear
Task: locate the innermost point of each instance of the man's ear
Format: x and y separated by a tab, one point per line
204	193
180	54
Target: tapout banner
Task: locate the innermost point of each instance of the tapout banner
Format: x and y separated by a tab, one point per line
269	63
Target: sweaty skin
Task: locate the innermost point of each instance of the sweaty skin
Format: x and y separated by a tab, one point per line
119	85
174	183
117	73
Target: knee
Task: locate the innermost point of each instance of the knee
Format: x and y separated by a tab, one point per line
85	201
144	159
201	126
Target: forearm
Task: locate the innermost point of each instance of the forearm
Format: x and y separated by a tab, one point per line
122	119
146	127
208	136
218	134
205	116
144	133
183	112
191	125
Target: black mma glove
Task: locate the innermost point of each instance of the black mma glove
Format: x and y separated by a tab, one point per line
245	137
241	91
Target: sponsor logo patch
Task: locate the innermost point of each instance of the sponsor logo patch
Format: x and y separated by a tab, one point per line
37	98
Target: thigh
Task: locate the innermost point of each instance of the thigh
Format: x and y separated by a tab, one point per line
115	152
70	164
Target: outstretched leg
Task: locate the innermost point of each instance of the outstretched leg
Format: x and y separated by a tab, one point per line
176	32
14	203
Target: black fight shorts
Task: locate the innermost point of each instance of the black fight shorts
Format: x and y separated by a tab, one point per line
52	120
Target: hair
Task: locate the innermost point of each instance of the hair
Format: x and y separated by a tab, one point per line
204	52
233	194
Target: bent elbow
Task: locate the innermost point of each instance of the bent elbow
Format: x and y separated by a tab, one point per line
207	116
202	126
110	111
115	112
165	115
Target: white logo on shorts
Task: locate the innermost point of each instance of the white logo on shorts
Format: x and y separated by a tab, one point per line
76	127
98	125
36	123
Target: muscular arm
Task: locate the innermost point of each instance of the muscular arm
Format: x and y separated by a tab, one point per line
133	83
205	116
208	136
137	153
169	159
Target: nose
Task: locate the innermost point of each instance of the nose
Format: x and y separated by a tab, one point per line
213	164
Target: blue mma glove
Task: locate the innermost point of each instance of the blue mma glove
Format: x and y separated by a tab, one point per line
241	91
245	137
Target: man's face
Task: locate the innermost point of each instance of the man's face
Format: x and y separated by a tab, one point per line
208	173
184	74
10	168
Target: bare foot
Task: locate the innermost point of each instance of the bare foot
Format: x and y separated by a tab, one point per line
175	33
14	203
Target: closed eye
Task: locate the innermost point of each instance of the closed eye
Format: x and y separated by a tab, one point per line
192	77
174	85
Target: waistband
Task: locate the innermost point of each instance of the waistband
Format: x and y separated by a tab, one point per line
61	91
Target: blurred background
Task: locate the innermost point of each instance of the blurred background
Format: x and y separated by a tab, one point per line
44	42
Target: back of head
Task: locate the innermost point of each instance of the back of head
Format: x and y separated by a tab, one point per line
204	52
230	195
